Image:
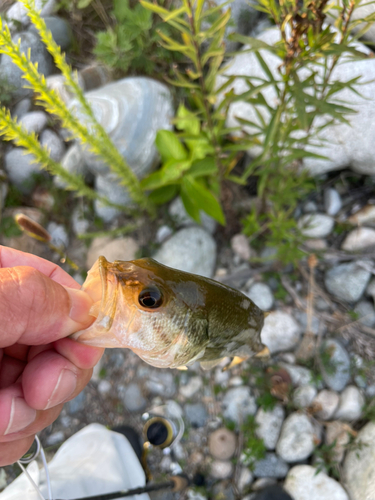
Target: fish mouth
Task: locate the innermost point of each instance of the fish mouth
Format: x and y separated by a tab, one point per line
104	287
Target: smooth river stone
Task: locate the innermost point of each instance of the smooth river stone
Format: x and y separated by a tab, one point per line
131	111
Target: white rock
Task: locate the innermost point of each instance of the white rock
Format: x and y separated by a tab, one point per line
178	213
112	249
35	121
73	163
191	249
358	470
299	375
195	495
310	207
111	189
59	85
192	387
366	313
328	402
344	144
348	281
334	364
17	12
280	332
163	233
22	107
221	469
222	444
261	295
365	215
20	168
296	440
351	404
238	403
358	239
303	482
80	223
332	201
240	246
337	433
104	386
245	479
3	479
269	425
59	236
316	225
50	140
304	395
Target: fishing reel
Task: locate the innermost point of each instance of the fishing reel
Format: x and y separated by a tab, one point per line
163	426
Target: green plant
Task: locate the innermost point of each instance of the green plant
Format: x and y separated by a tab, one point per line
6	91
131	43
253	447
93	136
326	460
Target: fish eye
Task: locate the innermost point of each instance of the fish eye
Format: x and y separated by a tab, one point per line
150	298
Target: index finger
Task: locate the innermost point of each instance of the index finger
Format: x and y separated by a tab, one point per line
12	258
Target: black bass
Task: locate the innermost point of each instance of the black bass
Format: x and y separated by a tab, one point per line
169	318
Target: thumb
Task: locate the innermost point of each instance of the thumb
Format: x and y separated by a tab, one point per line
36	310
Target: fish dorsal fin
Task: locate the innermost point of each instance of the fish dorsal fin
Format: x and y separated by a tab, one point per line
207	365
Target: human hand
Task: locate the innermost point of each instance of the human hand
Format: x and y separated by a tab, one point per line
40	369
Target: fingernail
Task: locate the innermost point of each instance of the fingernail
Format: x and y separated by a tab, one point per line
64	388
21	415
80	305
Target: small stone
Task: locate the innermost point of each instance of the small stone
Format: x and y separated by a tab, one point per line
73	163
280	332
261	295
80	223
196	414
163	233
271	466
358	470
191	249
38	55
310	207
364	216
222	444
58	84
112	249
262	485
245	479
50	140
238	403
235	382
325	404
55	438
269	425
77	404
296	440
316	225
339	433
21	167
22	107
161	383
193	386
104	386
182	218
332	201
195	495
59	236
298	374
43	198
61	31
366	313
359	239
306	483
317	244
240	246
316	326
133	398
35	121
335	365
18	12
348	281
304	395
351	404
221	469
109	187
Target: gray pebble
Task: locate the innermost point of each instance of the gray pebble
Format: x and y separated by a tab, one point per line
161	383
316	225
133	398
73	163
297	438
261	295
55	438
335	365
22	107
238	403
182	218
59	236
269	425
196	414
35	121
332	201
271	466
50	140
110	187
60	29
77	404
20	168
366	313
348	281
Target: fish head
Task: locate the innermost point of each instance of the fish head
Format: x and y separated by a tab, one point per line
137	307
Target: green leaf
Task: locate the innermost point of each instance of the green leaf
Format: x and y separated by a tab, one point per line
203	198
164	194
169	146
189	205
187	121
199	168
82	4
